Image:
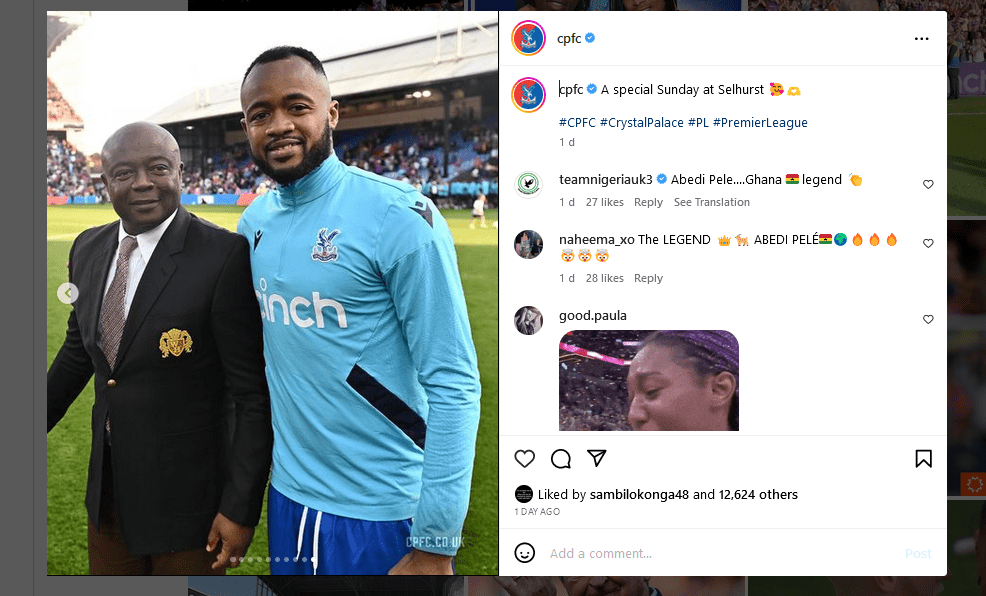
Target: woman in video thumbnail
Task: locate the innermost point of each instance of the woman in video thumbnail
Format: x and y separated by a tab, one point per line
685	380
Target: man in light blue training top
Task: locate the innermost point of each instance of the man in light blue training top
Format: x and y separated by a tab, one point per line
370	361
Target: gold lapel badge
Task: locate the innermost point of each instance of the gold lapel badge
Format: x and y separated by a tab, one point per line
174	342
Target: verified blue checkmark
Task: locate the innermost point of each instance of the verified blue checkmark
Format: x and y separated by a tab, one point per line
661	178
590	37
591	88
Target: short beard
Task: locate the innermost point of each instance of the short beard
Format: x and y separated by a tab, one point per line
310	160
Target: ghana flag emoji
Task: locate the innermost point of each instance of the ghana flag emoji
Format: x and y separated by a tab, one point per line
792	178
825	238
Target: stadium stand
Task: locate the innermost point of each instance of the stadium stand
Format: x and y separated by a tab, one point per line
415	156
60	25
70	177
395	152
426	127
59	109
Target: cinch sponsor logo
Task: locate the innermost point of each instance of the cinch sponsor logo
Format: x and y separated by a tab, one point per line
298	310
974	83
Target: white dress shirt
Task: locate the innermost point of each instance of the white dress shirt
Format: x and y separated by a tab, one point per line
146	243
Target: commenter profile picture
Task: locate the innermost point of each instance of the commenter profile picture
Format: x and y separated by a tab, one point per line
528	244
528	320
528	185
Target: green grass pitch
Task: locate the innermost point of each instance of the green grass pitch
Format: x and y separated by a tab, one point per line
69	442
967	156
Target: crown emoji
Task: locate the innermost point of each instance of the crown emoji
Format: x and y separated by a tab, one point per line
724	240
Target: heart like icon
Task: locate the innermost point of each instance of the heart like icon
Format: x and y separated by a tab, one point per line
929	183
928	242
928	319
524	457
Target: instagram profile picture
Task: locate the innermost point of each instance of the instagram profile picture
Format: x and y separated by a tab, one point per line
528	244
528	94
528	320
528	38
528	185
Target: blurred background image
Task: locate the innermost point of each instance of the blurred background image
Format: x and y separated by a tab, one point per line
603	586
608	5
475	585
964	519
349	585
966	277
964	53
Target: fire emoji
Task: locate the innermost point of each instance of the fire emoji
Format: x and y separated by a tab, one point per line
874	240
857	240
891	239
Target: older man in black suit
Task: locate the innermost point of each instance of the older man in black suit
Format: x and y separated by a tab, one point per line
168	321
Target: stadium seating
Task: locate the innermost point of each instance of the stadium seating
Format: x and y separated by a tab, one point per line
413	155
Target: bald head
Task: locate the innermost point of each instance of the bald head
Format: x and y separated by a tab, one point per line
142	172
139	134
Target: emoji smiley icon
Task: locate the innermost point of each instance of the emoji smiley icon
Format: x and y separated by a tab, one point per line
567	255
776	89
793	91
602	254
585	255
524	552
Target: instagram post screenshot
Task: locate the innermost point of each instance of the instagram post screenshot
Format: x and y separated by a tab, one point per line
293	342
681	212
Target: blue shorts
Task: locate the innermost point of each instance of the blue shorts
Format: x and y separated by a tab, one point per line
346	546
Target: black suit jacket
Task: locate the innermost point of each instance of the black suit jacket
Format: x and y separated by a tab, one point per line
175	462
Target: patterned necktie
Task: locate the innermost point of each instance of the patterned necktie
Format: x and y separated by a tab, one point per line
114	315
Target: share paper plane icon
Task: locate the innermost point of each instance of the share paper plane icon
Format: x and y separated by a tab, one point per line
597	455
